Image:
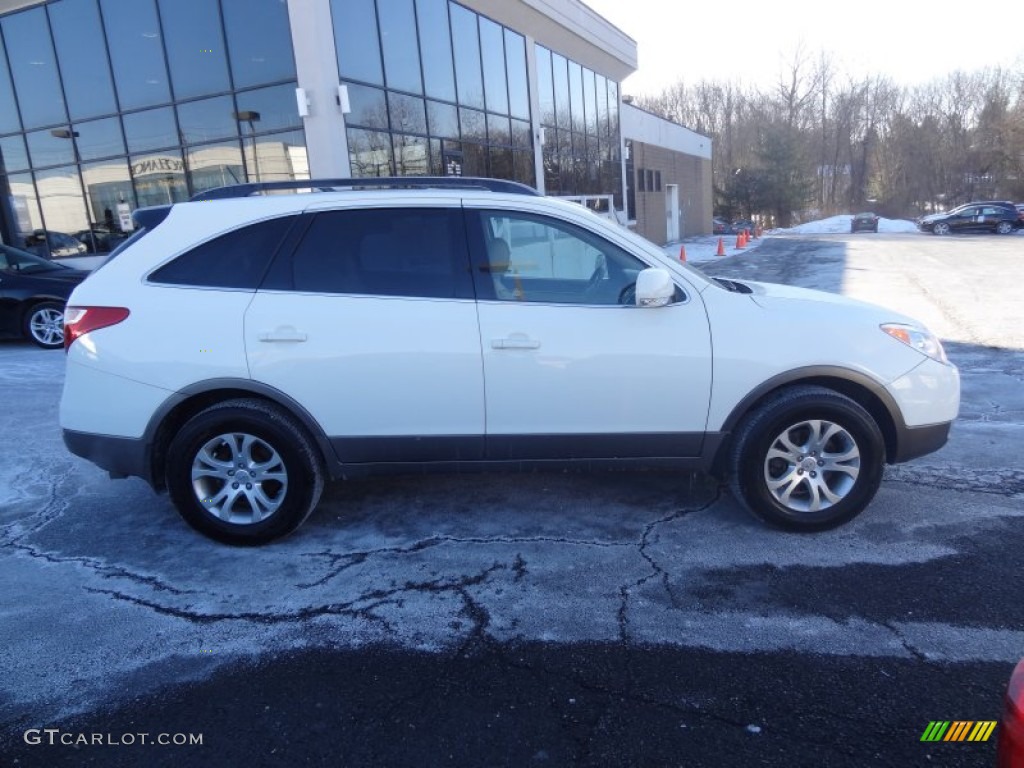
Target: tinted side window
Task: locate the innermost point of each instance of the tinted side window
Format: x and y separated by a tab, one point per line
539	259
238	259
385	252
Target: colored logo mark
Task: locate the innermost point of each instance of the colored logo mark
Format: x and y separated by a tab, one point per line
958	730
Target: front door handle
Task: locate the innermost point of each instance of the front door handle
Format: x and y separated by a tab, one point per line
283	334
515	343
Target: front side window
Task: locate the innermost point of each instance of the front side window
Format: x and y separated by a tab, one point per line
237	259
415	252
535	258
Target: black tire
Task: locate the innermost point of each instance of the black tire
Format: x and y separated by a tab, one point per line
43	324
279	448
942	228
751	469
1004	227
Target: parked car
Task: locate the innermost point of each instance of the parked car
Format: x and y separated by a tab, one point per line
53	245
417	322
864	222
741	224
720	226
1010	748
992	216
33	292
100	239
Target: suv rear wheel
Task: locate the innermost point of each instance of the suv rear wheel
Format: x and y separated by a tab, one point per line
1004	227
243	472
807	459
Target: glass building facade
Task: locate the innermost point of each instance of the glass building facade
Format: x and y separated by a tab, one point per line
110	105
434	89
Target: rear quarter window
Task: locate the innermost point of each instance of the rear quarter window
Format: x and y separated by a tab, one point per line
237	259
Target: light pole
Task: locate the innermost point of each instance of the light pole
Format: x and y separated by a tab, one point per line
250	117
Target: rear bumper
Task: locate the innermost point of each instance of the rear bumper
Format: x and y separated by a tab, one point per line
120	456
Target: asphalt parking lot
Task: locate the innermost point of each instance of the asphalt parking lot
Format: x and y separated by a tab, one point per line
606	619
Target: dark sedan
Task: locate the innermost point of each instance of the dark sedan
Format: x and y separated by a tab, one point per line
864	222
973	217
33	292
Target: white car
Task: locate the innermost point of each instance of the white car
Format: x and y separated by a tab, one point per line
241	349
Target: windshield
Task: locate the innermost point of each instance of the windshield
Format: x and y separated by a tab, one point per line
23	262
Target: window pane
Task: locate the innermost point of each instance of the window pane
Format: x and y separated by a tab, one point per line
203	121
602	107
275	107
60	196
560	70
576	95
590	101
407	252
534	258
501	162
369	153
47	149
407	113
27	215
159	178
195	47
443	120
466	43
495	81
369	107
521	134
523	168
281	157
498	130
8	108
215	165
34	68
474	126
401	50
436	48
259	41
474	159
518	91
238	259
355	35
99	138
107	185
545	86
410	155
78	37
13	156
136	52
152	129
613	117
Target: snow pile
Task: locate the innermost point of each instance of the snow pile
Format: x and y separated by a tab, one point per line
841	224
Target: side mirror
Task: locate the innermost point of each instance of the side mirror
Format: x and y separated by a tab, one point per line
654	288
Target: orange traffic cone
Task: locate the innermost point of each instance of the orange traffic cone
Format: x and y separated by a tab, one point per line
739	240
721	248
682	253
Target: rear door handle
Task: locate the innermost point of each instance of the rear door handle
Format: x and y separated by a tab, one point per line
515	343
282	334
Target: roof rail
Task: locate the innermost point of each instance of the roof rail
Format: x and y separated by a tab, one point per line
392	182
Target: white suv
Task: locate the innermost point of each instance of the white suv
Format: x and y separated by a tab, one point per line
242	348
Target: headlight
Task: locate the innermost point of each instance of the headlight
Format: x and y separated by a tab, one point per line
918	338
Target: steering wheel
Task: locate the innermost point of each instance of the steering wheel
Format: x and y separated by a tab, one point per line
627	296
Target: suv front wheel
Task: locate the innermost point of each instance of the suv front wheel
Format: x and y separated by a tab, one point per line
807	459
243	472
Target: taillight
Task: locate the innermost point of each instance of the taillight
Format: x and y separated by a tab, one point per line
79	321
1011	730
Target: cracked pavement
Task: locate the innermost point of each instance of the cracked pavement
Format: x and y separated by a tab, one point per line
602	618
